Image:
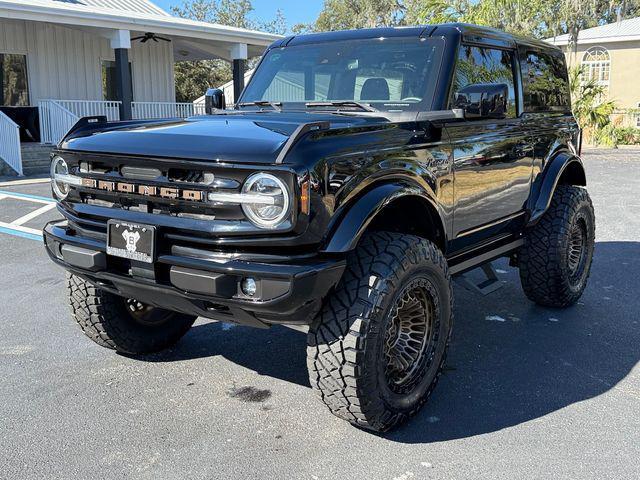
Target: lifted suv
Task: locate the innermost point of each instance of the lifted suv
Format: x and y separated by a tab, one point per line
358	172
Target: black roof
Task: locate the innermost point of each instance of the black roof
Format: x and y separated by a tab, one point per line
470	33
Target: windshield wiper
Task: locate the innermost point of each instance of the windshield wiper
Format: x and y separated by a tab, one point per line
344	103
263	103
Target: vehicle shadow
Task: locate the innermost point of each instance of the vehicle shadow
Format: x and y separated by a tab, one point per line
510	361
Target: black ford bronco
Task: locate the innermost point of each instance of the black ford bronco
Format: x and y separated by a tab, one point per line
358	173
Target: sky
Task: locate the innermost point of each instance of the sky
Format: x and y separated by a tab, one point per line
295	11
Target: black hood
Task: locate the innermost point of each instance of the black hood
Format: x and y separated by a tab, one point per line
250	137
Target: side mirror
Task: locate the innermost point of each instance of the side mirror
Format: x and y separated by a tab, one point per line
483	100
214	100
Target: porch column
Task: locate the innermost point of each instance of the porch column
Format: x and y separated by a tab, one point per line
121	43
239	58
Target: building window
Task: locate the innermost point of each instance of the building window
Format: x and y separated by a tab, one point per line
109	90
14	87
596	65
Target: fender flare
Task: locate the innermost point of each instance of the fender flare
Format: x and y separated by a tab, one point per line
346	232
548	182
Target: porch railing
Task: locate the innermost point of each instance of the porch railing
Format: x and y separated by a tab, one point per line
141	110
58	116
89	108
10	143
55	121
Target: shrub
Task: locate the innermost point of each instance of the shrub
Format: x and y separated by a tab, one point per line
612	136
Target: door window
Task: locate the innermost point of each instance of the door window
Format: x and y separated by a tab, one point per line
485	65
14	87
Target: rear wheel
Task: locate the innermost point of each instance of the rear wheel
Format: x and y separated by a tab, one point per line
123	324
555	260
377	347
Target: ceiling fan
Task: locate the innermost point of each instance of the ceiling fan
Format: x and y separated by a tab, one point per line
150	36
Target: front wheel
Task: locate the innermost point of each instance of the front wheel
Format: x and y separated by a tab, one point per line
555	260
377	347
123	324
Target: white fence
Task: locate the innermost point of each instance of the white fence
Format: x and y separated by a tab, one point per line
142	110
55	121
58	116
10	143
91	108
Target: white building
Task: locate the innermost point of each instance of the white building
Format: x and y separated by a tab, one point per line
64	59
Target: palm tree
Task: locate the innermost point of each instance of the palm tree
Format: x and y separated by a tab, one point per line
590	106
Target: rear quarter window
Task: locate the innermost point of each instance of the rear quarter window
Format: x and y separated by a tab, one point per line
544	81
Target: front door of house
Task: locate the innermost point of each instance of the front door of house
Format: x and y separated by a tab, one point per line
14	95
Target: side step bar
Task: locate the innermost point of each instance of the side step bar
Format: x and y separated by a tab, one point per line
491	282
490	285
485	257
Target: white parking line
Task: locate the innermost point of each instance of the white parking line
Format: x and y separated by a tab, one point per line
30	216
17	227
27	197
25	181
20	228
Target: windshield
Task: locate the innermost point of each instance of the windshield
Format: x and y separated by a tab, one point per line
388	74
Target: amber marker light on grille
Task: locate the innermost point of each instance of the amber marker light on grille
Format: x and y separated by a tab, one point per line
305	197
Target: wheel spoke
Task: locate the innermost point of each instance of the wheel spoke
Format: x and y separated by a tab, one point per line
408	335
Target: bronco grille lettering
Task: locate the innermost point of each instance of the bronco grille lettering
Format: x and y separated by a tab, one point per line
168	192
146	190
126	187
108	186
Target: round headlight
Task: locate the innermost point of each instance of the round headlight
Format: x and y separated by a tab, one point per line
59	168
272	202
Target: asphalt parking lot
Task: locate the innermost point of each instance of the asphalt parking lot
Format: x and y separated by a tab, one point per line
528	392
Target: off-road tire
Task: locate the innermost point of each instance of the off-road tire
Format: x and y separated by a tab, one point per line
546	269
105	319
346	342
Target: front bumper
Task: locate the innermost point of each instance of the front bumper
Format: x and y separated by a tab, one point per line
197	282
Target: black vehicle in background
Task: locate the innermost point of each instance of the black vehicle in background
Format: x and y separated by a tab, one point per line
357	174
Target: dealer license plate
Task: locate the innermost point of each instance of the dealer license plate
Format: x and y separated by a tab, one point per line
132	241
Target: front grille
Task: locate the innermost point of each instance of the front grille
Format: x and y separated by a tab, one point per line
183	175
170	194
173	191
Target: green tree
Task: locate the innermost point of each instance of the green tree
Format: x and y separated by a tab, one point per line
589	103
538	18
194	77
351	14
576	15
434	11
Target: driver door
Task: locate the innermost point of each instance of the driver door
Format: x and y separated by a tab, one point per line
492	158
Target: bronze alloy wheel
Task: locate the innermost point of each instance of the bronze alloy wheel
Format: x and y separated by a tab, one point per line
411	335
377	347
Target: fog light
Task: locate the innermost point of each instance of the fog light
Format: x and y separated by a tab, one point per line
249	286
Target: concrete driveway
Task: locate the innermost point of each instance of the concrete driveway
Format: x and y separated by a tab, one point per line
528	392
